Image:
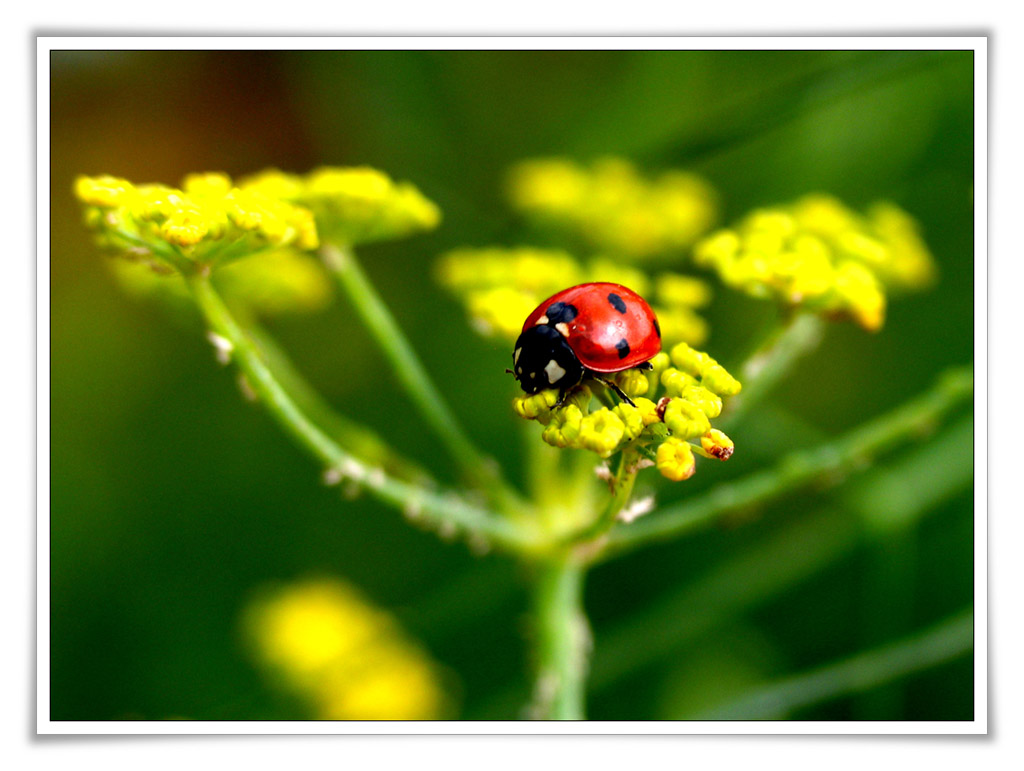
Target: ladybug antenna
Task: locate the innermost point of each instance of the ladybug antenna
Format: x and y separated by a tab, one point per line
508	371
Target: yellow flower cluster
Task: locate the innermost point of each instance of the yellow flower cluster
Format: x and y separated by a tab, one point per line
353	205
663	431
273	220
207	220
614	209
818	254
326	642
500	287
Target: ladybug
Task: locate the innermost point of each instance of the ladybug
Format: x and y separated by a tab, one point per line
585	331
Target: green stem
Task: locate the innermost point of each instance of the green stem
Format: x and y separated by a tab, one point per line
622	484
479	470
354	437
770	363
443	511
939	644
834	459
562	641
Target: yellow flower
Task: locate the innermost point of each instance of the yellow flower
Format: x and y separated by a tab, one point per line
500	311
648	411
675	289
601	431
705	400
818	254
613	207
632	381
324	641
352	205
717	445
564	427
676	382
304	628
527	269
685	419
207	222
105	191
533	406
675	459
712	374
632	420
392	683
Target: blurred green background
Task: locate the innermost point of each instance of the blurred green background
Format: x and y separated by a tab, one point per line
173	499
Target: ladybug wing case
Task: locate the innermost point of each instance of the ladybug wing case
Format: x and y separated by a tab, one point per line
609	326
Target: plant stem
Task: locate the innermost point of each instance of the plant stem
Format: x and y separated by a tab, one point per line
621	488
939	644
562	641
444	511
799	469
361	441
770	363
478	469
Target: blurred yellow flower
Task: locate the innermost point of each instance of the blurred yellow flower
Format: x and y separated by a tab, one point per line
352	205
818	254
613	208
326	642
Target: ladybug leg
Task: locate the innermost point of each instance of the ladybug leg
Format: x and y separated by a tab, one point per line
645	366
615	388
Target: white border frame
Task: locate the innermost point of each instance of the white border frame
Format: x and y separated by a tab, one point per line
44	46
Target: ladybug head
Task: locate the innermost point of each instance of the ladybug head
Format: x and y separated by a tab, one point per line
543	359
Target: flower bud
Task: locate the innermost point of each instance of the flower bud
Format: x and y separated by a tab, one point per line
675	459
717	444
685	420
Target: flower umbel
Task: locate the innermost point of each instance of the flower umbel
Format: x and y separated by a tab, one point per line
818	254
352	205
612	208
207	222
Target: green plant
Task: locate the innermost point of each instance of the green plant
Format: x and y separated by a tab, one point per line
271	243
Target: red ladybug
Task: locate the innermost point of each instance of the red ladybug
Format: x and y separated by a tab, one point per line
585	331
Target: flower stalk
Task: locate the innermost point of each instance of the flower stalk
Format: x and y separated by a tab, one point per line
799	469
562	641
478	469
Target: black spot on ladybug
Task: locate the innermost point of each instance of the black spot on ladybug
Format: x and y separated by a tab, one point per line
657	329
623	348
617	302
561	313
